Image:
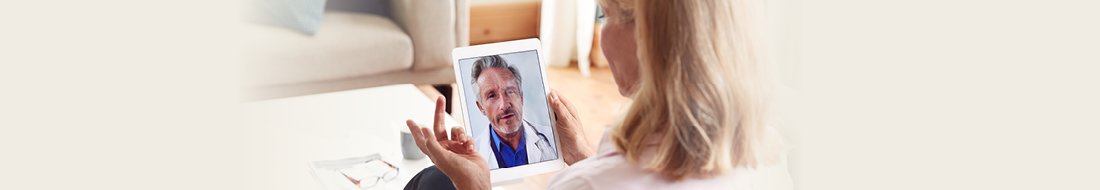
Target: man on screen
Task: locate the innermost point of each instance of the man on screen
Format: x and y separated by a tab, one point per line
511	139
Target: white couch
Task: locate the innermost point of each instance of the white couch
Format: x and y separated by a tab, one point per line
360	43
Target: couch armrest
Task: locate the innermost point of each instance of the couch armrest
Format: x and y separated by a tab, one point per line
377	7
435	27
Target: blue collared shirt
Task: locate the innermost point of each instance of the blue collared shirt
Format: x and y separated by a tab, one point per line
506	155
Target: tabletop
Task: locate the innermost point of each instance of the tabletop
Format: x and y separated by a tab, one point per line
282	137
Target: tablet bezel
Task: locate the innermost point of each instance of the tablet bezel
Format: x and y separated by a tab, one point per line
502	175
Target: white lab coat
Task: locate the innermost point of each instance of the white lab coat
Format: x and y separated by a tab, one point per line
540	146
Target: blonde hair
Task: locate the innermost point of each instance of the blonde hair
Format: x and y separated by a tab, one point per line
702	94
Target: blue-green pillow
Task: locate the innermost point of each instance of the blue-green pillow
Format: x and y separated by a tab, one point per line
301	15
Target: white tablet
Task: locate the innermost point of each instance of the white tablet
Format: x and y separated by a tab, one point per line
502	88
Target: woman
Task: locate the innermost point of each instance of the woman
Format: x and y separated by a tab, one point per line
693	69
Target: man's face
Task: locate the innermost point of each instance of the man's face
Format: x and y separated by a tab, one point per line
500	99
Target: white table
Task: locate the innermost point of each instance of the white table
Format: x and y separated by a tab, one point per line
282	137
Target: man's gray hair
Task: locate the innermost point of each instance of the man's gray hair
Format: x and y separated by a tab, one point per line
490	62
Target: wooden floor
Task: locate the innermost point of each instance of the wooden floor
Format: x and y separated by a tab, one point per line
596	97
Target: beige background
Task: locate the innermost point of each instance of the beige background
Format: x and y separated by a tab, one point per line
948	95
959	94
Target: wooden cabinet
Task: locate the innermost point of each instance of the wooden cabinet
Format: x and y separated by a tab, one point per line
503	21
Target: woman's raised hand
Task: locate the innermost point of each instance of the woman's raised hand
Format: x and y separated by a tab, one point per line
454	156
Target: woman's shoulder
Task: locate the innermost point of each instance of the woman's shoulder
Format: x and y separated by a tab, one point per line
610	170
613	172
584	174
580	174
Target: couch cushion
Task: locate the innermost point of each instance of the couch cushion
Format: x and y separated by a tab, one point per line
346	45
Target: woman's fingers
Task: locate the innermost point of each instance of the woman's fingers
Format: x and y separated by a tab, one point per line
434	149
434	141
440	114
414	129
562	108
425	139
460	141
556	105
458	134
568	105
464	138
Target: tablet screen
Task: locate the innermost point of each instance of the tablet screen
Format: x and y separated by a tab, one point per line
508	112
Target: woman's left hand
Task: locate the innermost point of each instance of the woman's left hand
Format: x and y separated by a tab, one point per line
574	145
456	156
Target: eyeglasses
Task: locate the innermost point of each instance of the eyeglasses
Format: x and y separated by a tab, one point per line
365	172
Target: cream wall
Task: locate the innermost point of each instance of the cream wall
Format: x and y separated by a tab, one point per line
936	94
944	94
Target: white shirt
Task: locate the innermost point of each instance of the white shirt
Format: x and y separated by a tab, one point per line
539	144
609	170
